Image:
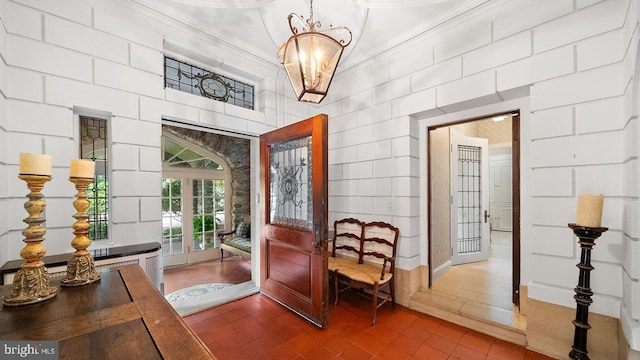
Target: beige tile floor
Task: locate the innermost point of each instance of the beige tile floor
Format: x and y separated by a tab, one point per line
479	291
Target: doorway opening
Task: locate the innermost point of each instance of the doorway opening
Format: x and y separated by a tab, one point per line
196	193
206	192
474	216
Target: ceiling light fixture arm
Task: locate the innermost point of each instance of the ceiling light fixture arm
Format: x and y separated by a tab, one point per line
340	33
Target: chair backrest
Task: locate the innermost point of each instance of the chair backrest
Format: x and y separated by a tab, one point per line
346	238
380	241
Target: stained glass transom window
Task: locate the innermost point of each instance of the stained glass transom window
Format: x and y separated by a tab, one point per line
194	80
290	183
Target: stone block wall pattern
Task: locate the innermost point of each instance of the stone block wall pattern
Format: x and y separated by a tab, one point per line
236	152
570	66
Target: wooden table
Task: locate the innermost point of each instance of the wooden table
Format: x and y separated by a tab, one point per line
122	316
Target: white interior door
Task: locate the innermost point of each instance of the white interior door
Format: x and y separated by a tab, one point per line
469	199
501	193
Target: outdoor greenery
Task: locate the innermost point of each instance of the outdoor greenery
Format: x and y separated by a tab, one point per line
172	195
97	195
203	223
173	234
208	203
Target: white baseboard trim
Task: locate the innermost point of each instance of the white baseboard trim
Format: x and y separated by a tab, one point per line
631	329
441	270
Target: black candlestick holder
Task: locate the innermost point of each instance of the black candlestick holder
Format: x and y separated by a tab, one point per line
587	239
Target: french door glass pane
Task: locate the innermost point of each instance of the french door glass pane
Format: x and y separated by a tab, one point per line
172	216
469	200
208	212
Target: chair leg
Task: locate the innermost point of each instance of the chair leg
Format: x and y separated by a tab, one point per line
335	287
374	309
221	254
391	291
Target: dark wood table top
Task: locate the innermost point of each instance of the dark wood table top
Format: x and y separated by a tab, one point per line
122	316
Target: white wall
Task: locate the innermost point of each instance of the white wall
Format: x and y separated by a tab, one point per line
104	58
568	65
4	173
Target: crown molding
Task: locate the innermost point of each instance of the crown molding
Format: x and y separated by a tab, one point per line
388	4
459	20
226	4
246	4
158	13
178	27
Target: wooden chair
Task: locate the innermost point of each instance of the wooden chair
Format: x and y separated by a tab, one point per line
347	245
373	274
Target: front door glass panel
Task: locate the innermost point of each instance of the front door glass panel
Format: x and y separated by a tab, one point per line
290	183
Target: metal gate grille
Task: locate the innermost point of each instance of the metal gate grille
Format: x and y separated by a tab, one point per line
469	200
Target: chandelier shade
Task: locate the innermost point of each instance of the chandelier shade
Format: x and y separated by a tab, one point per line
310	58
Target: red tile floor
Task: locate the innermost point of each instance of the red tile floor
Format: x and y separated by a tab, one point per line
257	327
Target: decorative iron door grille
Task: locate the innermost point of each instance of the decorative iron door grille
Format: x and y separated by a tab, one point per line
290	183
469	200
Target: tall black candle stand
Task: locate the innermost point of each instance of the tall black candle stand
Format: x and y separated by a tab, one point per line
587	236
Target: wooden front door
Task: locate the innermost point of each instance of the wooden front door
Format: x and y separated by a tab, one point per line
293	257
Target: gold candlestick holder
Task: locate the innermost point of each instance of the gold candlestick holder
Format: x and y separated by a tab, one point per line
31	282
81	268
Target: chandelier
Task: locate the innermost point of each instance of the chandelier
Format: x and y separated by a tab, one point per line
310	57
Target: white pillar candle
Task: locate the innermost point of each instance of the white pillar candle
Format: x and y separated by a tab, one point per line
589	210
82	168
35	164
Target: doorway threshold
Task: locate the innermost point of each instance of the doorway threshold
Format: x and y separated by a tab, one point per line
491	320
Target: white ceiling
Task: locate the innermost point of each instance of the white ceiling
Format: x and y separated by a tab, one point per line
260	26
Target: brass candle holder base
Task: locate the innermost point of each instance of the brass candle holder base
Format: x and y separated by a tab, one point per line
30	286
31	282
81	269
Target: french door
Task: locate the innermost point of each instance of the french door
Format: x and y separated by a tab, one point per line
293	256
192	214
469	199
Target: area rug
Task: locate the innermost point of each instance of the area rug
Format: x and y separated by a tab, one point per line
194	291
196	298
